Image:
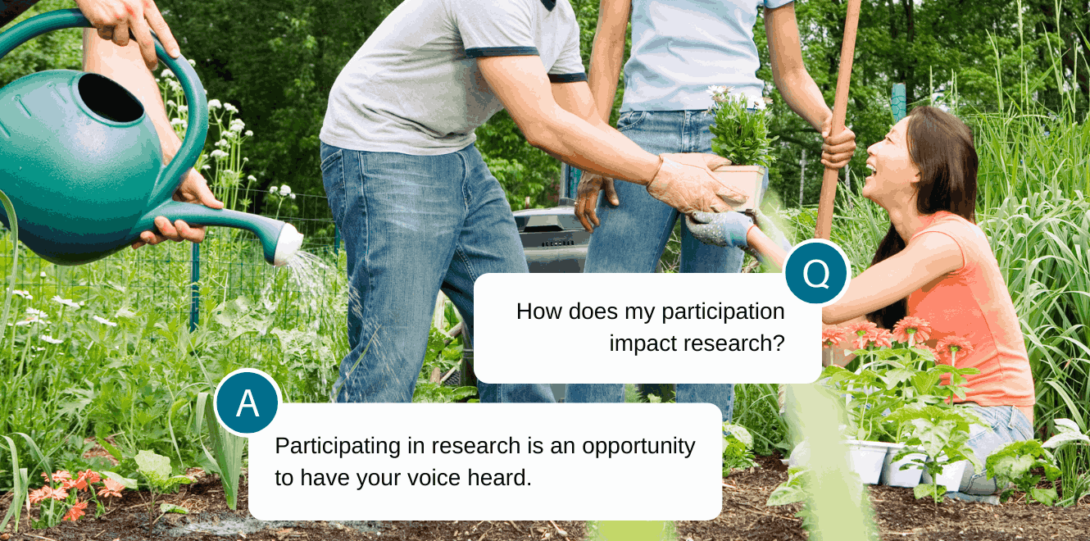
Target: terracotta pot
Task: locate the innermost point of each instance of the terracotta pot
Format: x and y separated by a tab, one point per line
746	179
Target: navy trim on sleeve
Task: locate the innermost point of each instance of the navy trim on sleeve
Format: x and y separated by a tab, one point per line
568	78
478	52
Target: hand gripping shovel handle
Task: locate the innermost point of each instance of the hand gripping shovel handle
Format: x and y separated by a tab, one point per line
840	108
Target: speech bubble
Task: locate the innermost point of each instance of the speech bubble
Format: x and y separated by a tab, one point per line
622	328
481	462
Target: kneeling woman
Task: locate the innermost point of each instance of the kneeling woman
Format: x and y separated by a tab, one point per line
935	264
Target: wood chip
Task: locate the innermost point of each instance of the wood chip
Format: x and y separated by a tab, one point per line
560	532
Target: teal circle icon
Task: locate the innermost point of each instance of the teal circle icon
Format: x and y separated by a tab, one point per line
817	272
246	401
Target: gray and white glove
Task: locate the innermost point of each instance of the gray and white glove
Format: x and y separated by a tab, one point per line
727	229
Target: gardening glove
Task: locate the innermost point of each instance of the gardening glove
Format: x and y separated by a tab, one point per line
837	150
726	229
586	199
686	182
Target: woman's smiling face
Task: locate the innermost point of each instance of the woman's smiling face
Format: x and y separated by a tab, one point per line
893	175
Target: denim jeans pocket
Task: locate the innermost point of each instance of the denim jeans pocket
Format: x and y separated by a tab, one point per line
631	119
1020	424
333	179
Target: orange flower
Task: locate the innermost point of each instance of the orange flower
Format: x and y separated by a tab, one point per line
58	494
950	346
112	488
912	331
831	336
75	512
39	495
69	483
85	479
883	338
862	333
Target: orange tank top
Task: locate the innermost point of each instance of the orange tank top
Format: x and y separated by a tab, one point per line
973	303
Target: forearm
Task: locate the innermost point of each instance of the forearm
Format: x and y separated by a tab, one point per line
768	248
605	71
126	66
593	146
803	96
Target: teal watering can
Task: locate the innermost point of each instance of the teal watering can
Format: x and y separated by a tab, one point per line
82	164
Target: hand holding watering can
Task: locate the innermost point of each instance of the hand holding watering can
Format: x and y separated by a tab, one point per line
82	163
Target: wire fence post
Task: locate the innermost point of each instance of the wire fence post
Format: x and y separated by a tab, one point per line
195	290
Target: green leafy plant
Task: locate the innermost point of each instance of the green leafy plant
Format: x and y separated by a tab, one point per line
1067	443
156	472
942	434
228	448
1015	464
739	135
737	449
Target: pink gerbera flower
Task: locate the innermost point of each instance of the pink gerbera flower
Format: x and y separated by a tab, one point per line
831	336
883	338
862	333
75	512
951	346
912	330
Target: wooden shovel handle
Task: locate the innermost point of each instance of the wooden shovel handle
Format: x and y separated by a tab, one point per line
840	109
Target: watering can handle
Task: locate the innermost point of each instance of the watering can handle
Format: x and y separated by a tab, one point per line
196	129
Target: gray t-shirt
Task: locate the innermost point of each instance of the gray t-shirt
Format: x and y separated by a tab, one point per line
415	88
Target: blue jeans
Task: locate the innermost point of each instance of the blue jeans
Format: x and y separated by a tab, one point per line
633	235
413	225
1008	424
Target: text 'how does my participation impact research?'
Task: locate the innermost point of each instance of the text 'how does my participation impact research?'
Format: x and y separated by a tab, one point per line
617	328
487	462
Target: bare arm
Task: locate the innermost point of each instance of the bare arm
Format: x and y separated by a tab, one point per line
521	83
923	261
126	66
607	53
797	87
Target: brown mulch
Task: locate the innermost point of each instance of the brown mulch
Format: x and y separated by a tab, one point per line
744	516
898	514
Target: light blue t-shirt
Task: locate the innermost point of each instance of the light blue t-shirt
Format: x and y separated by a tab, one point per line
681	47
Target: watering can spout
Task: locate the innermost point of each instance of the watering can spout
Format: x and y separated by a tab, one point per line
279	241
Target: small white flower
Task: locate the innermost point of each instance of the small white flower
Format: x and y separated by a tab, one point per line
23	294
104	321
124	312
214	104
222	143
192	62
177	122
249	133
50	339
716	89
167	73
170	103
292	196
251	178
230	107
36	313
183	109
285	190
237	125
42	274
219	154
66	302
28	320
206	167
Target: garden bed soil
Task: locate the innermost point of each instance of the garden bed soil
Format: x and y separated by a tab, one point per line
744	516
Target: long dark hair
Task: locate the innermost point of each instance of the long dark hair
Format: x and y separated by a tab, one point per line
941	147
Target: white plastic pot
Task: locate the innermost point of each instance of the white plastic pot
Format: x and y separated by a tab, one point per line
892	474
951	475
867	458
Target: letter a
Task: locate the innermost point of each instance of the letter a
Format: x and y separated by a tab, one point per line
243	404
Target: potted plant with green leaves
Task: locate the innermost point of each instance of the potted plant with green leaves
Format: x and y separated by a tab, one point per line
941	434
740	134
